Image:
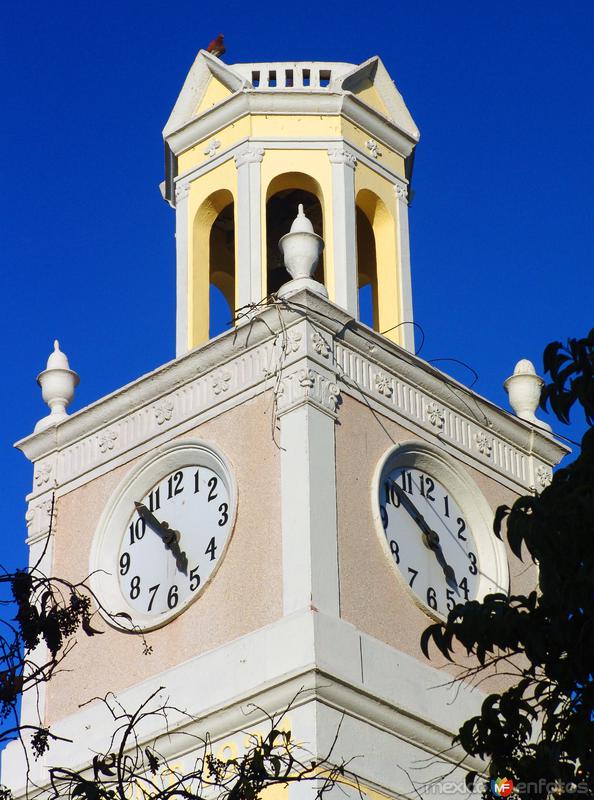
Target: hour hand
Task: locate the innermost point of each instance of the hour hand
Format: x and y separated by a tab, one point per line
168	536
430	537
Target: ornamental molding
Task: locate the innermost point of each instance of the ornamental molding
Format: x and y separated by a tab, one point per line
106	440
43	473
544	476
307	386
320	344
233	108
212	148
313	353
373	148
342	155
249	155
38	517
405	399
435	415
383	383
401	192
164	410
484	444
182	190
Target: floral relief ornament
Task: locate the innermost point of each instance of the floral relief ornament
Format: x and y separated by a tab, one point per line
163	411
383	383
484	444
107	440
435	415
294	340
43	474
220	381
319	344
544	477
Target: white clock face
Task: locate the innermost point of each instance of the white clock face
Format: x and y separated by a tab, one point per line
430	538
173	539
163	534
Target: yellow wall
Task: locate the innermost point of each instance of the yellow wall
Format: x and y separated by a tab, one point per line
208	196
215	93
375	196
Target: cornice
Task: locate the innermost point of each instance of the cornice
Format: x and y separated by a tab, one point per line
306	350
245	102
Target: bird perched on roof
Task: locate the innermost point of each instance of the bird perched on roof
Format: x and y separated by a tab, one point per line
216	47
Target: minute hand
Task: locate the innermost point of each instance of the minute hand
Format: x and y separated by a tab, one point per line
167	536
430	537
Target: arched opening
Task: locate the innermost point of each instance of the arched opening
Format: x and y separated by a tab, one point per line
213	268
367	271
222	272
379	304
284	194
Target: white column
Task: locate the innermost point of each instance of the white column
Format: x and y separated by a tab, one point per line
182	190
403	255
307	405
249	229
345	229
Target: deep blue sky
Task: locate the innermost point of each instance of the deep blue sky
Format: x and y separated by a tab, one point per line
501	224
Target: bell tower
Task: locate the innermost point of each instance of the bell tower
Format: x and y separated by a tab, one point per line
246	143
331	493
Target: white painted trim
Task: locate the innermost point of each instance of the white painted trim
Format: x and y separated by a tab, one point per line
382	689
182	281
269	143
248	161
241	362
403	256
245	102
344	226
308	510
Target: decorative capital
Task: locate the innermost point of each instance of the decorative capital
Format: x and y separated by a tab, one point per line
320	345
250	155
341	155
401	192
182	190
307	386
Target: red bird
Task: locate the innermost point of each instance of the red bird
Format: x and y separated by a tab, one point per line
216	47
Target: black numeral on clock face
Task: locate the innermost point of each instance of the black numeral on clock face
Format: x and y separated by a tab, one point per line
440	569
174	540
137	530
174	484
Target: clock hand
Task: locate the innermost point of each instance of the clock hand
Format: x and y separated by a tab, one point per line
168	536
430	537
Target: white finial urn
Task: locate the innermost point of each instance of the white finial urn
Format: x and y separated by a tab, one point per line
58	383
524	388
301	249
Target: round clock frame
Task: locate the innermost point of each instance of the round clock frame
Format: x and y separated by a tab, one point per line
491	559
127	506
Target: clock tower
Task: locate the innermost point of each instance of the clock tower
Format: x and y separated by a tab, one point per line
285	507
